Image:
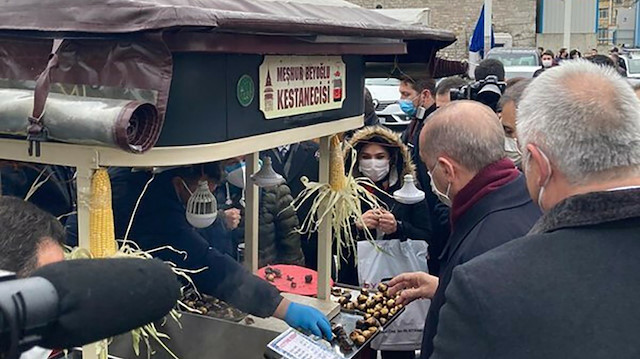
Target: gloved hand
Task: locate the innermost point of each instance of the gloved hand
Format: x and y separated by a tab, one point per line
303	317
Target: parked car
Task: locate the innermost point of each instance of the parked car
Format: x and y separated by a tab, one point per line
632	62
386	93
518	62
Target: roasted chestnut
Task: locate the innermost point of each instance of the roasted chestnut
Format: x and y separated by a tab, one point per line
392	312
367	334
308	278
384	312
351	306
364	291
293	284
362	307
343	300
391	303
383	321
382	287
336	291
362	298
360	339
376	314
367	316
399	306
270	277
373	330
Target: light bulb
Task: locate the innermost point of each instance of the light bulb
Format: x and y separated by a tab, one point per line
202	208
266	176
409	193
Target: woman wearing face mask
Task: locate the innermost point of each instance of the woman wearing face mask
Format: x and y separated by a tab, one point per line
384	159
279	242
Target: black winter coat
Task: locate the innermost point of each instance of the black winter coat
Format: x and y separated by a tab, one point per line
501	216
302	160
278	241
160	221
413	221
569	289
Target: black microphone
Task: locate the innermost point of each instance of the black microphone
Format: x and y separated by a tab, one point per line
78	302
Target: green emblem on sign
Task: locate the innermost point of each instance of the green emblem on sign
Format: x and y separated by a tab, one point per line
245	90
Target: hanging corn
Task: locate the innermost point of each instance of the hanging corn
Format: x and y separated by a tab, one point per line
339	201
102	241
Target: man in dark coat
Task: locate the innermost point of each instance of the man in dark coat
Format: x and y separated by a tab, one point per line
294	162
463	148
418	101
569	288
160	221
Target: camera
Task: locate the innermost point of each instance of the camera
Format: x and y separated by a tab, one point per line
487	91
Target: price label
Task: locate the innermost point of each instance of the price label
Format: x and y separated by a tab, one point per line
294	345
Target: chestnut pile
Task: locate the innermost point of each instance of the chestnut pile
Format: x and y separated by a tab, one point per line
270	274
378	309
212	307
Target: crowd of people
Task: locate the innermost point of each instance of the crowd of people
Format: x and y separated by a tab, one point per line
531	215
549	60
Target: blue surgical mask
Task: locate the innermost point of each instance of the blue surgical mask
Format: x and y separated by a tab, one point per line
407	107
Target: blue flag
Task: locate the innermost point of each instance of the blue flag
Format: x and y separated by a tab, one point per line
477	40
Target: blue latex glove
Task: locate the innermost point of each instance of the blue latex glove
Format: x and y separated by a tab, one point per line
303	317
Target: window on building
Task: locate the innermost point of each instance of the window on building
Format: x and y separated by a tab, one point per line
604	13
603	34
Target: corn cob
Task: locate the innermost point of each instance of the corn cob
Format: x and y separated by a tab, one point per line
337	178
102	241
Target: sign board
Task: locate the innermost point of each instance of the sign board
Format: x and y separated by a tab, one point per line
294	85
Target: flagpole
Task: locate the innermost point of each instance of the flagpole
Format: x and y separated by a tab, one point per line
487	26
567	25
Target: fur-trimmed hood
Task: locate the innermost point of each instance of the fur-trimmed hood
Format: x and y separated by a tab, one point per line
401	165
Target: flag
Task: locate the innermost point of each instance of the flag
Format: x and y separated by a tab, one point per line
477	40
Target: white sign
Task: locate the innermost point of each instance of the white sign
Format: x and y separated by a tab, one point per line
294	85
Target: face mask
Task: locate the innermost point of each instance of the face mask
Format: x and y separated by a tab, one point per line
546	181
443	197
236	174
374	169
512	150
547	63
407	106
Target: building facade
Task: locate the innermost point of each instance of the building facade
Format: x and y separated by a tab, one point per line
617	23
515	17
584	24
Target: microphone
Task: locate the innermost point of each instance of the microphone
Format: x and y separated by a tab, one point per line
77	302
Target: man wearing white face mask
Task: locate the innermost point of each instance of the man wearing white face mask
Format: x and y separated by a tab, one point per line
508	104
562	291
547	60
463	149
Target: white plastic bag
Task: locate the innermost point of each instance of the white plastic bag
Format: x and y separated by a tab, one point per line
374	266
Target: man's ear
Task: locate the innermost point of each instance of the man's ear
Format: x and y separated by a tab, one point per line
537	164
427	95
448	168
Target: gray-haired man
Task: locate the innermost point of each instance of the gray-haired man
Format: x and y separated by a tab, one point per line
569	289
462	146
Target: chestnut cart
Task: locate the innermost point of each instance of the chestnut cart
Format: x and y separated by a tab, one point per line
164	83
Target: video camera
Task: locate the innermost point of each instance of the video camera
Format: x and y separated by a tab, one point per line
487	91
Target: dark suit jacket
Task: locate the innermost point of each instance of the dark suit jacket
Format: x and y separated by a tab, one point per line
505	214
568	290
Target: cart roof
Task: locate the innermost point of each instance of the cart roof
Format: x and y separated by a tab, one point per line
278	17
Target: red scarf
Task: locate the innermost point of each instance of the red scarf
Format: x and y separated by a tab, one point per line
486	181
